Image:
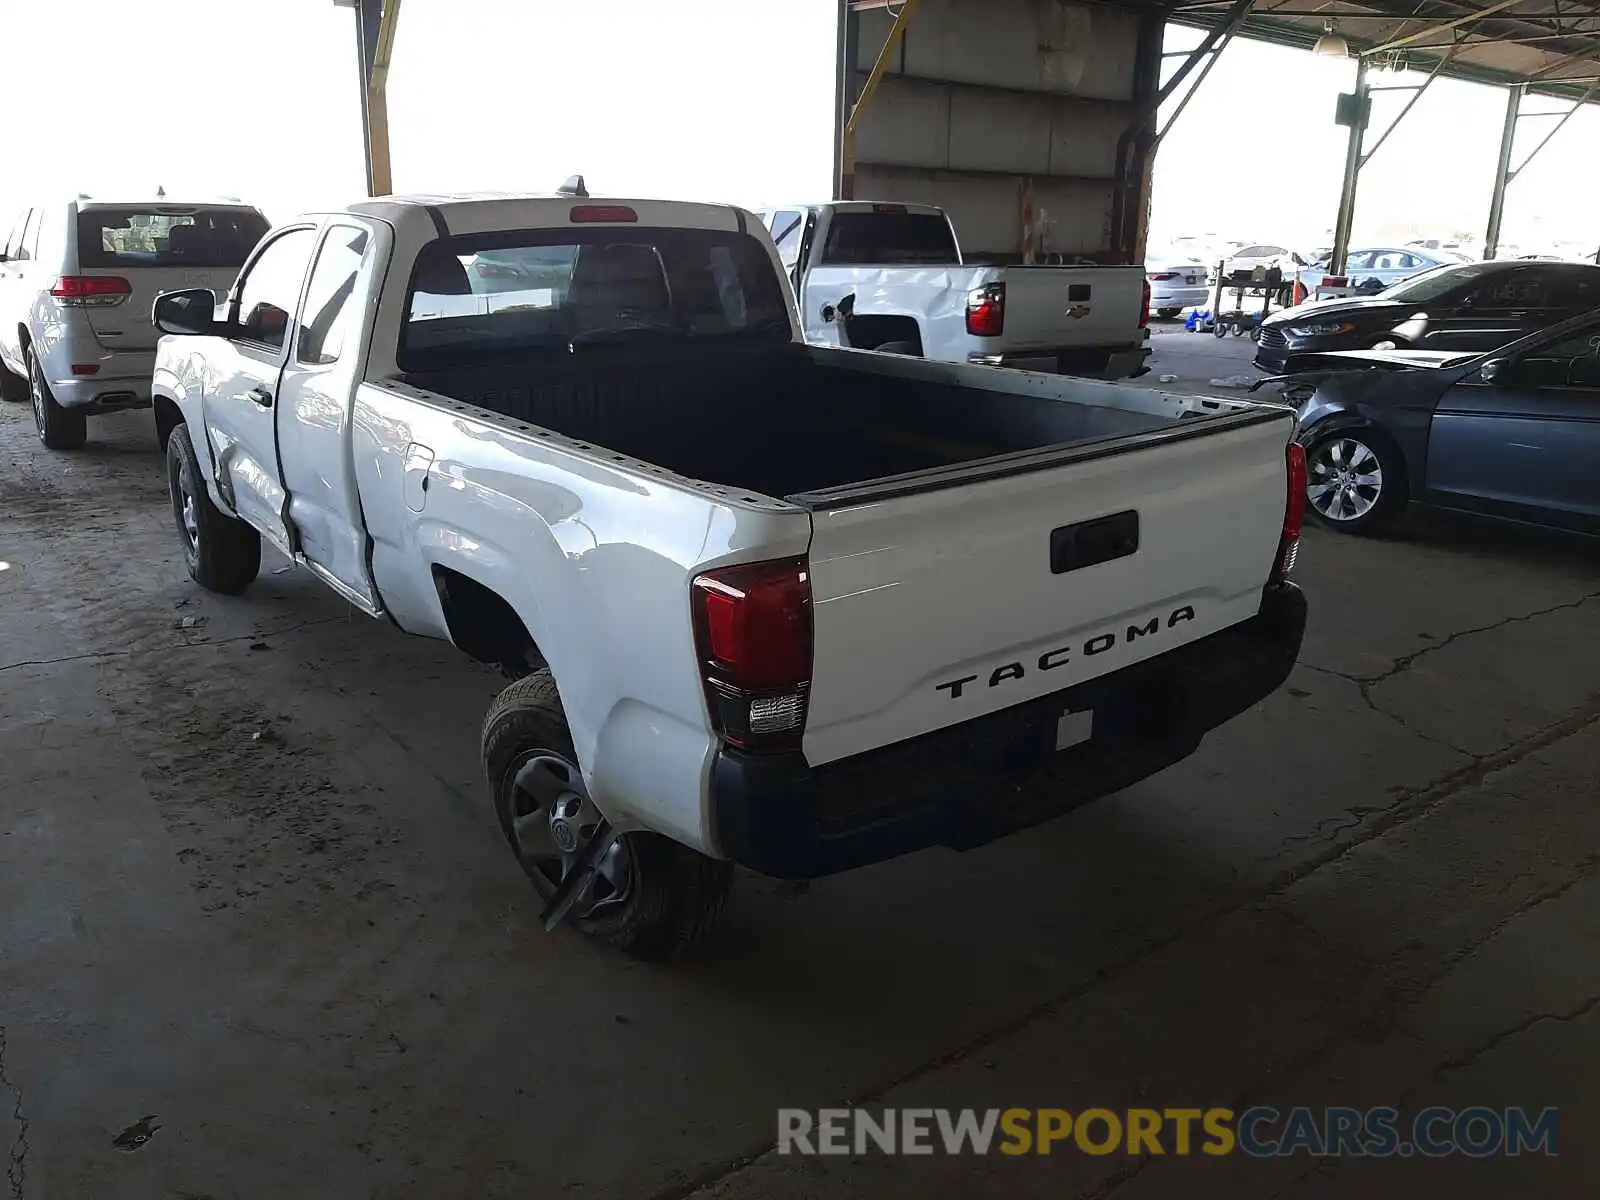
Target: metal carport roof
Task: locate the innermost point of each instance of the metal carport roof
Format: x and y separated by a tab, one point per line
1553	46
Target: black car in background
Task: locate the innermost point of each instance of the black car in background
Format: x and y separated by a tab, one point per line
1473	307
1513	434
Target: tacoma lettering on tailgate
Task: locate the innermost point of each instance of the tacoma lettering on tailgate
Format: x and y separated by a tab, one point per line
1100	643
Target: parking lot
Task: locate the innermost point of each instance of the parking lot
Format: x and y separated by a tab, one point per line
262	937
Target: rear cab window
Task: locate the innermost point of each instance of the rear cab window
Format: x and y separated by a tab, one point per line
888	234
560	291
130	236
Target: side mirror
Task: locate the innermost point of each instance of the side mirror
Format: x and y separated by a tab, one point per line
1496	370
192	311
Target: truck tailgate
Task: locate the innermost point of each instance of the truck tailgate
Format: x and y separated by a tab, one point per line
1072	306
937	600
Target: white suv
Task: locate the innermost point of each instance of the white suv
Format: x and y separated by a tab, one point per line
77	281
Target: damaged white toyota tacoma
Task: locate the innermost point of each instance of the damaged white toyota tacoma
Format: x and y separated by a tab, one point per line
786	606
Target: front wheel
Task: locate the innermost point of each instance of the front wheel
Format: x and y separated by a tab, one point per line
1355	480
59	428
651	897
223	553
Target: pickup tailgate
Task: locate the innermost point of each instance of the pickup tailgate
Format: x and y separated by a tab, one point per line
938	600
1052	307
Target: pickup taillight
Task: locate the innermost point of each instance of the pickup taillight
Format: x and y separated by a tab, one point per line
986	310
752	628
1294	514
1144	306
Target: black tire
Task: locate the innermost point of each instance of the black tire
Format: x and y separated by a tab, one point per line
908	348
675	894
13	387
223	554
1322	468
1219	329
59	428
1168	313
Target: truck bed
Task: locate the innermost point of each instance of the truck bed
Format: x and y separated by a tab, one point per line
793	421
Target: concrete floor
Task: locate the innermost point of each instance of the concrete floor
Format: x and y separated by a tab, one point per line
251	896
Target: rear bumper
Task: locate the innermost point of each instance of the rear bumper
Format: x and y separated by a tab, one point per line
1090	362
969	784
121	379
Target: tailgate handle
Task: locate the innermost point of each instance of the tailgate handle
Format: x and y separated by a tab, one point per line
1077	291
1073	547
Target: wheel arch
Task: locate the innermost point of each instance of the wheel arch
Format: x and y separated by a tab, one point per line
483	624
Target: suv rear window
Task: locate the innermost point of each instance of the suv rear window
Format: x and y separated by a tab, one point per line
557	291
889	237
167	236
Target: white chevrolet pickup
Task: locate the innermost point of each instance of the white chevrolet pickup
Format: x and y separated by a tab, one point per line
768	603
913	294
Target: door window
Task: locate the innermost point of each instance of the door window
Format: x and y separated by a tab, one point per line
328	312
270	289
14	241
1575	291
786	228
1570	362
1519	289
1361	260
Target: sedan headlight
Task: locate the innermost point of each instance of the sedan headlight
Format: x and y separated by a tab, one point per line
1327	330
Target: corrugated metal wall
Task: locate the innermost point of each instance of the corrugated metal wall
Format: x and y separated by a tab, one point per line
984	94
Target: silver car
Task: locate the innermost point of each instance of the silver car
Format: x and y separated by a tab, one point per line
1372	270
77	280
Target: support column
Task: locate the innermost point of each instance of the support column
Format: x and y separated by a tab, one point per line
1502	170
1359	115
375	25
844	94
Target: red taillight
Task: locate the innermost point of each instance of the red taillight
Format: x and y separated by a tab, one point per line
86	368
986	310
1294	513
1144	306
589	213
91	291
752	627
1335	281
1163	276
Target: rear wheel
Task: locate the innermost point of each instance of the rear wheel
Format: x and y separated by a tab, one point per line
59	428
1355	480
651	897
223	554
1168	313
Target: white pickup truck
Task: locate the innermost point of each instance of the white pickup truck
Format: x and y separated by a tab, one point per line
914	295
769	603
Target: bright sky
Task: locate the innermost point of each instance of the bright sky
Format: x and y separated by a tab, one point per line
707	99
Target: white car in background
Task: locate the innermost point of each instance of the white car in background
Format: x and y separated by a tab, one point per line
1265	255
1176	284
1373	269
77	279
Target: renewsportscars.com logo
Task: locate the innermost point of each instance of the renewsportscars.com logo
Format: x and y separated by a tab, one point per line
1477	1132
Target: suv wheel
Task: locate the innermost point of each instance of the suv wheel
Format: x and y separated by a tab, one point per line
59	428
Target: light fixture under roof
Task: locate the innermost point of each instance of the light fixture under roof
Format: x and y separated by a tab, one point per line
1330	44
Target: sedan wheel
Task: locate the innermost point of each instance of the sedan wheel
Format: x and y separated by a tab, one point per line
1353	481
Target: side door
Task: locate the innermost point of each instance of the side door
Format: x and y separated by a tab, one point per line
1526	443
1488	314
315	395
240	412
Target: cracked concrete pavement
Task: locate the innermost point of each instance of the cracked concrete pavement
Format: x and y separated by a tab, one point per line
306	957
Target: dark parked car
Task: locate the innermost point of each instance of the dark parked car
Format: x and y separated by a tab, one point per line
1472	307
1513	434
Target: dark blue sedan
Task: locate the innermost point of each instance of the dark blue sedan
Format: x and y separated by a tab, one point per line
1512	434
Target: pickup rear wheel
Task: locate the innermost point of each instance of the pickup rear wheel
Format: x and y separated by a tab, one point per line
223	554
652	897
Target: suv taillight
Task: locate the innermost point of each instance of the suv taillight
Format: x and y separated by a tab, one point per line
752	628
91	291
1144	306
986	310
1294	514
